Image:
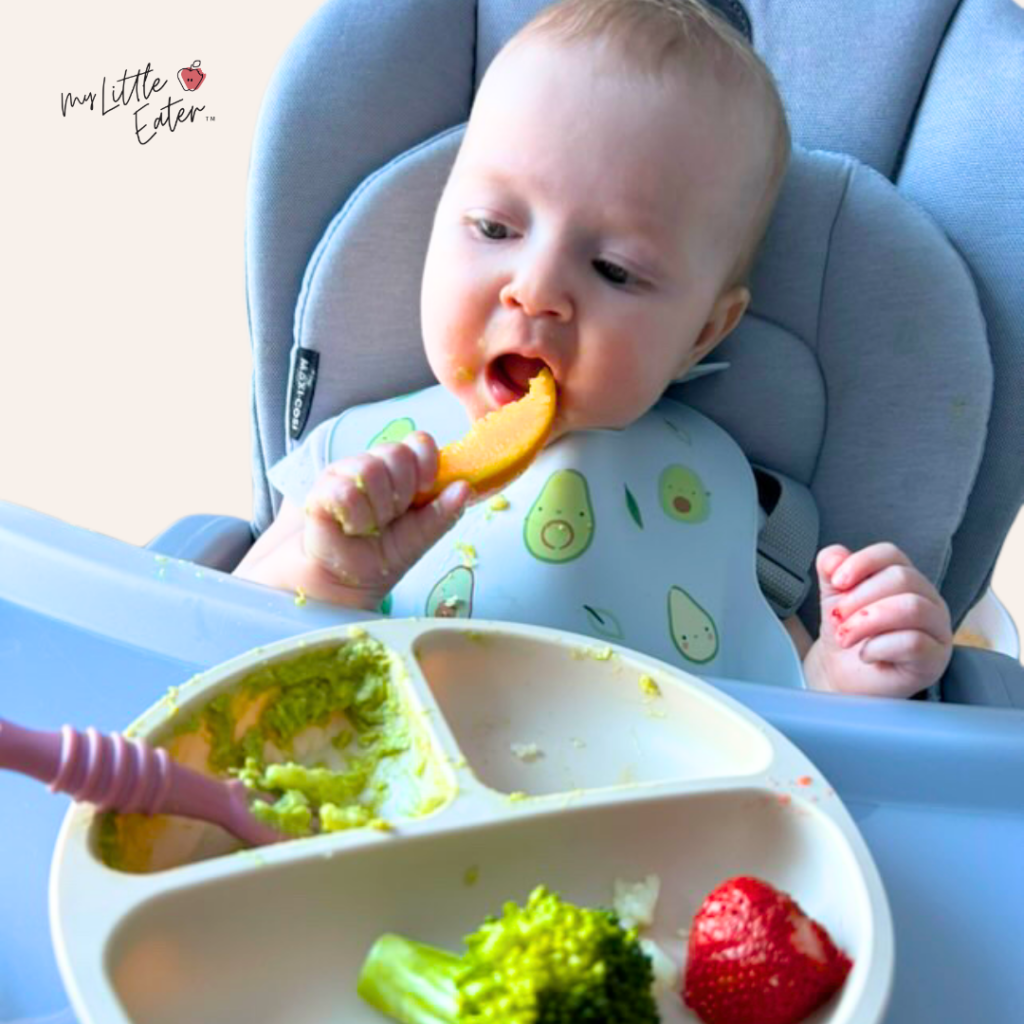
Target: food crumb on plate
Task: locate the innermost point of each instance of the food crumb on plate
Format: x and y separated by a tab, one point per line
664	968
170	699
526	751
649	687
635	902
597	653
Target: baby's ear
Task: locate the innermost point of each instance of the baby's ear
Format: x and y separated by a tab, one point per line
725	314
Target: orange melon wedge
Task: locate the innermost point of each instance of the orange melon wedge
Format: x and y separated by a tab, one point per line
500	445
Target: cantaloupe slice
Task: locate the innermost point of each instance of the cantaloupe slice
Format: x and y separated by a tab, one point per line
500	445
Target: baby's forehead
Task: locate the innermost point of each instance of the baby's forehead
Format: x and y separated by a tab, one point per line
542	101
722	98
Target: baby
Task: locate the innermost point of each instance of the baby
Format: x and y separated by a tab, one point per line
617	173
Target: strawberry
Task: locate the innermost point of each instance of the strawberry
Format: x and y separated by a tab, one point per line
756	958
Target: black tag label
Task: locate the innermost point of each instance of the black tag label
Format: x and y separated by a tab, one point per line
303	385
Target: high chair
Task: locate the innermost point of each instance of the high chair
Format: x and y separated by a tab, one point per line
875	385
879	369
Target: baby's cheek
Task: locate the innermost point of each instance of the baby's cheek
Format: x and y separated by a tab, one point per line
461	381
632	395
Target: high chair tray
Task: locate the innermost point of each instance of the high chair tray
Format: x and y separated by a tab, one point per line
93	632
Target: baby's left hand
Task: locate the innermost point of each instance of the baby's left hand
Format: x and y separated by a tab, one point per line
885	630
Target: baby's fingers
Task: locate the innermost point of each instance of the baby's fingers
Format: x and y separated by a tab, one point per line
905	662
891	581
339	497
363	493
897	613
906	646
864	563
388	477
423	448
414	533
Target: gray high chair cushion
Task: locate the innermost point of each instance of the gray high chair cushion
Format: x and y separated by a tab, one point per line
931	93
357	89
354	89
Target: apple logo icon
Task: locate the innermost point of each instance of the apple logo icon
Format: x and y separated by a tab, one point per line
191	78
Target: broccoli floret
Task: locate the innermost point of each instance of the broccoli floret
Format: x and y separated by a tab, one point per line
548	962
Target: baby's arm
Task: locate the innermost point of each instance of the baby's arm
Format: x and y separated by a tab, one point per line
358	534
885	629
802	640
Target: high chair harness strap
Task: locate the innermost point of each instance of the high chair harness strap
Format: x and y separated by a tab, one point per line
788	541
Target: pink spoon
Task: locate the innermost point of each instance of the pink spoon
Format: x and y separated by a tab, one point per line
129	776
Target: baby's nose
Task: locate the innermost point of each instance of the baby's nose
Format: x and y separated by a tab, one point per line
537	295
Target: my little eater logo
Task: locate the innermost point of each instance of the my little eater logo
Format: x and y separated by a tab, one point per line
140	88
191	78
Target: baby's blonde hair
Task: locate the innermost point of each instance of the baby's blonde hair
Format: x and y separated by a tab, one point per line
659	35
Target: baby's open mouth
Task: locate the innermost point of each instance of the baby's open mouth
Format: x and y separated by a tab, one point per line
509	376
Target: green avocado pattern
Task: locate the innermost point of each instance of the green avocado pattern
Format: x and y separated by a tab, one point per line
680	432
693	631
634	507
683	495
560	524
452	595
604	622
394	432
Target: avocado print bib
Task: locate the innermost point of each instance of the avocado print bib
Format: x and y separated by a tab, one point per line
645	537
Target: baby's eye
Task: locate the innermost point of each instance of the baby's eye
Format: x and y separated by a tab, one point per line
492	229
613	272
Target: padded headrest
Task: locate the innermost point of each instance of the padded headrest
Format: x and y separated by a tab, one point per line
864	336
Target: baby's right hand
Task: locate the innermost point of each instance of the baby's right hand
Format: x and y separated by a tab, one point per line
360	529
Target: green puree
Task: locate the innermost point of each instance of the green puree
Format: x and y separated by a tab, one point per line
355	680
369	762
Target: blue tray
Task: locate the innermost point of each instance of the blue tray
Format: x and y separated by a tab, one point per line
92	631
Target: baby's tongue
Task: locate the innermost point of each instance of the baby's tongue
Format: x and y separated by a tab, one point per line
520	370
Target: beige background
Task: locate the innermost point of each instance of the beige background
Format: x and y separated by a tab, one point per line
125	362
124	359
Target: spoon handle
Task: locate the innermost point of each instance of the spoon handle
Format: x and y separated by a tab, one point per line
129	776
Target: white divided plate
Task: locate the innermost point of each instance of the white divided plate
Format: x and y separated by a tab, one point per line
690	786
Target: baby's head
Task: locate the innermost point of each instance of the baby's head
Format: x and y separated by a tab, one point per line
619	167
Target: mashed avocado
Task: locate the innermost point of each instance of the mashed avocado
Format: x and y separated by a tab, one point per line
326	741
